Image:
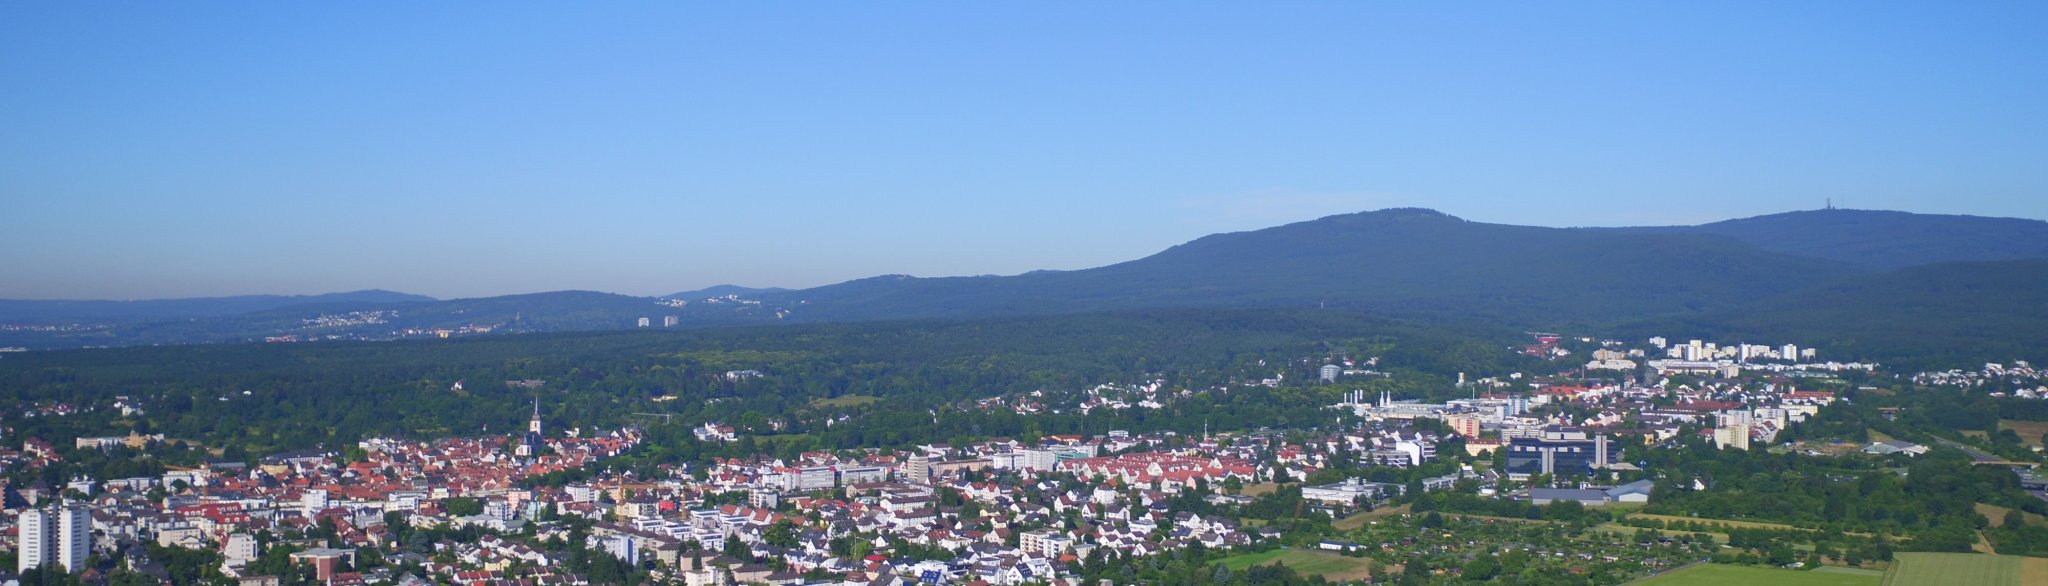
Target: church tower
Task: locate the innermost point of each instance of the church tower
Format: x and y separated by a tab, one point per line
533	427
530	445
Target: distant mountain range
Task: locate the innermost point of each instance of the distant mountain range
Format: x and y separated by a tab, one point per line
162	309
1823	270
723	291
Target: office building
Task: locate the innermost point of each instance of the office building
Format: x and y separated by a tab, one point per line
1557	451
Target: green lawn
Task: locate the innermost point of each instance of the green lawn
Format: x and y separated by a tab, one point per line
1721	575
1308	562
1954	568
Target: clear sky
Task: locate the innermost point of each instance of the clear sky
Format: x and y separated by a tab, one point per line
171	149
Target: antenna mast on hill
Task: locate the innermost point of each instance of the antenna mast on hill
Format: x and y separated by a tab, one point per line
1831	203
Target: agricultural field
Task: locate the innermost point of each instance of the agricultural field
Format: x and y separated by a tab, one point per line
1330	566
1722	574
2030	432
1964	568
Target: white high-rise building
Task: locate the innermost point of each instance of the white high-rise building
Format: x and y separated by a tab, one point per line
74	537
36	539
1692	352
61	536
1789	352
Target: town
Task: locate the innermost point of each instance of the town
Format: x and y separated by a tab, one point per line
542	507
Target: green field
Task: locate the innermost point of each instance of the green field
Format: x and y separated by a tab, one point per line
1359	520
1910	569
1720	575
1330	566
845	401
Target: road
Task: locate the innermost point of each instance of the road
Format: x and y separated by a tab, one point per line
1975	454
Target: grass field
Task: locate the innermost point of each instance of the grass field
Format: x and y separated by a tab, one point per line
1734	524
1910	569
1997	515
1330	566
845	401
1720	575
2029	431
1359	520
1260	489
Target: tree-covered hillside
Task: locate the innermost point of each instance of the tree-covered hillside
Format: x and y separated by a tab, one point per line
1417	263
1937	316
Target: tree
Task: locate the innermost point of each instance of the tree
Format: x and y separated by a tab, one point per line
1481	569
737	549
782	534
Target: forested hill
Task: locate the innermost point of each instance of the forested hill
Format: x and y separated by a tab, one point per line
1404	262
1941	315
1880	239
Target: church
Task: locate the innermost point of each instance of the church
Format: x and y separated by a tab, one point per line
530	445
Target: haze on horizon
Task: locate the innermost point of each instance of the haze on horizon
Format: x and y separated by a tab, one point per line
475	149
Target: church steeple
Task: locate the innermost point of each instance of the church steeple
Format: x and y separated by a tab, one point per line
530	446
534	425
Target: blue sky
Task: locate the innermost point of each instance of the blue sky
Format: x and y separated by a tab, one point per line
186	149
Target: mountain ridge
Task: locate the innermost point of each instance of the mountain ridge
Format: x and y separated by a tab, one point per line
1880	239
1407	263
1401	260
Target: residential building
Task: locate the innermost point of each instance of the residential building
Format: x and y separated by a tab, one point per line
1464	424
1733	435
60	535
